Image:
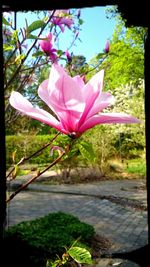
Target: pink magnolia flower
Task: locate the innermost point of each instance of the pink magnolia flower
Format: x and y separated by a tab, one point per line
61	12
62	21
62	18
47	46
78	106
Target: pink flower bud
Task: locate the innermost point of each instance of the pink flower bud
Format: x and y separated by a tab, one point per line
69	57
79	13
107	47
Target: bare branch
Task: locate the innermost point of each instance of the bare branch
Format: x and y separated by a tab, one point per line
23	186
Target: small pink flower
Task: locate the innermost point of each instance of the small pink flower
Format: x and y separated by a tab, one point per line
62	21
62	18
47	46
78	106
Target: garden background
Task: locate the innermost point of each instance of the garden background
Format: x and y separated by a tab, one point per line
109	148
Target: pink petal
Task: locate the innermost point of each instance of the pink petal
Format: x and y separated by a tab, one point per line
107	118
103	101
94	86
91	91
44	94
62	28
24	106
79	81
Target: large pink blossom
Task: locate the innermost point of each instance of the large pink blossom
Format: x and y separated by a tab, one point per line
78	106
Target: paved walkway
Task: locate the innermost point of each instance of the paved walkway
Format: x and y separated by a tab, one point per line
125	226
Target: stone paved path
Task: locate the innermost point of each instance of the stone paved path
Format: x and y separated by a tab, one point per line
126	227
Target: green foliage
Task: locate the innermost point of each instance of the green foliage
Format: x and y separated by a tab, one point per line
21	146
35	26
46	237
7	47
86	150
131	137
125	61
26	146
78	66
5	21
73	254
120	140
80	255
137	166
101	137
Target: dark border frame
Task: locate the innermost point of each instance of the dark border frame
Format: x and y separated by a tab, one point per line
135	15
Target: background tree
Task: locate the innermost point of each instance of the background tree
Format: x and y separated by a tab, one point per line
125	63
77	65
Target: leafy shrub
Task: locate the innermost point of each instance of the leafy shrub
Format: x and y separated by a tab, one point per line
32	243
80	154
26	146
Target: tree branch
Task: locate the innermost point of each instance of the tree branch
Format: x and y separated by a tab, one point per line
23	186
33	155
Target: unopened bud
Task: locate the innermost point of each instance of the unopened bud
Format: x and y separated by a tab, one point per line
107	47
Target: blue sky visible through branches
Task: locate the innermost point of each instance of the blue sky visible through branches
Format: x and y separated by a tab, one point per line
96	30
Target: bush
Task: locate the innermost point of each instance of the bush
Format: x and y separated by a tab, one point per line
26	146
32	243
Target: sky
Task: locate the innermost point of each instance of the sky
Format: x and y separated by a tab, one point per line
96	30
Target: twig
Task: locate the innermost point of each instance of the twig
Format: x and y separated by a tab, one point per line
95	67
23	186
29	157
35	66
27	53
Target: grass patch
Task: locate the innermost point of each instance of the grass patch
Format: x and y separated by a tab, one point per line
131	168
137	166
32	243
23	172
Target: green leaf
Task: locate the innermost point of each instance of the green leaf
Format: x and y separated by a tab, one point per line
86	150
19	58
80	255
60	52
81	21
100	55
6	22
38	53
16	171
31	36
35	25
53	263
15	36
7	47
